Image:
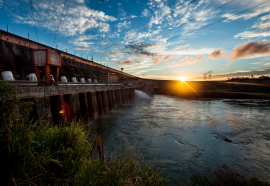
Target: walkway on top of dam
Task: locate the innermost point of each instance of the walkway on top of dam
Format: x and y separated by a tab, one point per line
26	89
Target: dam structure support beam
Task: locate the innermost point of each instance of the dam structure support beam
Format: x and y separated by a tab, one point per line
84	107
110	100
60	107
43	108
99	103
126	92
74	105
105	102
133	93
123	93
93	105
130	94
119	96
114	102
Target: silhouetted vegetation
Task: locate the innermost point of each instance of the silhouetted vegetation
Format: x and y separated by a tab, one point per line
249	78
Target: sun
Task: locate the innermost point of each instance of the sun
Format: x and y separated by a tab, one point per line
182	78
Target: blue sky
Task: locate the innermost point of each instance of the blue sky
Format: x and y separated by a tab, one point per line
160	39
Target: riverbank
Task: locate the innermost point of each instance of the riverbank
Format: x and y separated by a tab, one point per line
213	94
41	153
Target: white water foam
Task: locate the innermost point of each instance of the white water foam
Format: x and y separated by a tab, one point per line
141	95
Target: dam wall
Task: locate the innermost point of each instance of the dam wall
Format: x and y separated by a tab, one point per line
86	102
16	56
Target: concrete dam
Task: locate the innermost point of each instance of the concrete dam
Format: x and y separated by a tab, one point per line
88	89
99	89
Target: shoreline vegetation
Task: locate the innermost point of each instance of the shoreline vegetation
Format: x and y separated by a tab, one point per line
218	95
211	91
39	153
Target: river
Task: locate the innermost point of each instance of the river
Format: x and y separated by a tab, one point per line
184	136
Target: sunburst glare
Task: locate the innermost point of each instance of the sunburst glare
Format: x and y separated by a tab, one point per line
182	78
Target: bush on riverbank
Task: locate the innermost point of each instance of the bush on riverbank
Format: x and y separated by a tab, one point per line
46	154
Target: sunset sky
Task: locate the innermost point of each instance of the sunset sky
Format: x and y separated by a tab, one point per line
158	39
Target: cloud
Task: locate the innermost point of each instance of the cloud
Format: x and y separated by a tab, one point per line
85	38
156	60
130	34
83	48
104	42
123	24
82	44
80	1
167	57
162	12
250	49
216	54
187	60
262	29
263	18
104	27
132	16
125	61
252	34
256	63
255	13
145	13
77	18
181	47
138	49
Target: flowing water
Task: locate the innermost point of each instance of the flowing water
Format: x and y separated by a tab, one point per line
185	136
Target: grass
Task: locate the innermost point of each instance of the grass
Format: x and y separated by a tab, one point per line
47	154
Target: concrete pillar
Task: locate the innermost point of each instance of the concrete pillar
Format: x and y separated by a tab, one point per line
133	93
84	107
128	94
110	100
74	105
56	104
123	93
99	103
43	108
93	105
105	102
119	97
114	103
60	108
